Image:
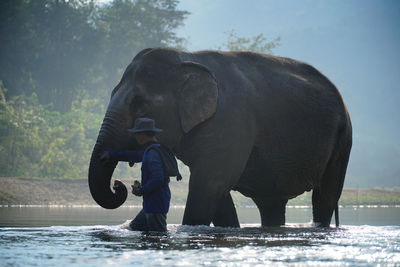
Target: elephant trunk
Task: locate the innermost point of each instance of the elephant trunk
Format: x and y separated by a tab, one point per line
112	137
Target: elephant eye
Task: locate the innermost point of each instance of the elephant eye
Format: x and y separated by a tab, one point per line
139	105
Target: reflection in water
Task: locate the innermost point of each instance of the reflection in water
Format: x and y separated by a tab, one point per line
47	216
113	244
198	245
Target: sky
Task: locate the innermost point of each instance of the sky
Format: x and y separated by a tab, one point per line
355	43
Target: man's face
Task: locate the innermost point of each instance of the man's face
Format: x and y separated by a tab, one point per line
140	138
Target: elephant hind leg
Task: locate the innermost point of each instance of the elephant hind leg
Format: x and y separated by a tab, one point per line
272	211
323	208
325	198
225	215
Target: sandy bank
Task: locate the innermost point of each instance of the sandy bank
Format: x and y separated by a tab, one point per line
41	191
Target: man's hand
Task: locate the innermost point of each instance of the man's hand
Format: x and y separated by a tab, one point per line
136	191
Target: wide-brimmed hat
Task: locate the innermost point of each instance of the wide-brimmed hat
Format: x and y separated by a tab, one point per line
144	125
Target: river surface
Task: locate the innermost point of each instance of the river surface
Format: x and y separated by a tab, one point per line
91	236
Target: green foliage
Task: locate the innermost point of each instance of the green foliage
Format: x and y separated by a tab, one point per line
352	196
258	44
36	142
61	48
57	54
127	27
50	47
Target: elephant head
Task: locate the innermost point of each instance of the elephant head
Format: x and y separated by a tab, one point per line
162	84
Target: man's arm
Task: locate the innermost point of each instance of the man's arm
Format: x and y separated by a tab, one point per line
129	156
156	172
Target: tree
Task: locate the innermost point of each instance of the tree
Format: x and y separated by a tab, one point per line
37	142
47	48
60	59
258	43
129	26
15	45
66	49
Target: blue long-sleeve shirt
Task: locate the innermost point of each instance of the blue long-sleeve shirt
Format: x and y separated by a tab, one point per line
155	190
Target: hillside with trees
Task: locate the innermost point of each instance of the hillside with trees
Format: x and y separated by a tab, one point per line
59	62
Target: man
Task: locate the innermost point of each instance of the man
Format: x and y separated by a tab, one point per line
154	186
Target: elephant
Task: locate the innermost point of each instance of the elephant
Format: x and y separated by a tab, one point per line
268	127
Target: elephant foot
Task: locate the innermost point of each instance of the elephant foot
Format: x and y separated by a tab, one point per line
321	225
191	217
272	212
225	215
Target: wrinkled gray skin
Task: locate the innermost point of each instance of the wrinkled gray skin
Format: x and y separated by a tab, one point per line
268	127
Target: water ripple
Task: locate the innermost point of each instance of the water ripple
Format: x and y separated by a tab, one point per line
200	245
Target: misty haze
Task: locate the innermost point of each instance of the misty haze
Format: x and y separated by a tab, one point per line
60	61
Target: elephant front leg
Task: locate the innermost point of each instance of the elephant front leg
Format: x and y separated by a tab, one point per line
214	173
208	201
200	207
272	211
225	215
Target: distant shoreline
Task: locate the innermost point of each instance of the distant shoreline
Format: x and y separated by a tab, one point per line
33	192
183	206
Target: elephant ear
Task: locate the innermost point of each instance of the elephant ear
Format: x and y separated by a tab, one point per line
198	97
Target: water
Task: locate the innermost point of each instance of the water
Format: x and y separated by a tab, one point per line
88	236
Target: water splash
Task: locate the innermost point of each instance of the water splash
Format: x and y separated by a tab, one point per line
200	245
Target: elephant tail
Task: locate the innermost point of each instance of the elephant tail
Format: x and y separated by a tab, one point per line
337	215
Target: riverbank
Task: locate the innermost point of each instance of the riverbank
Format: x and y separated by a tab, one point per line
41	191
